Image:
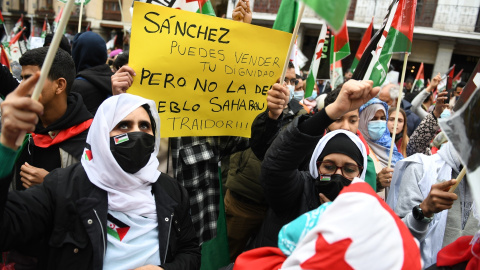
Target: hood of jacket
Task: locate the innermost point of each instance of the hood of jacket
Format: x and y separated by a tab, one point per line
99	76
88	50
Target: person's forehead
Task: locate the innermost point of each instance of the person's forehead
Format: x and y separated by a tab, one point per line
139	114
30	69
290	73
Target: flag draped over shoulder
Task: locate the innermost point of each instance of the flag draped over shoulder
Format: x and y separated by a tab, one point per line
333	11
363	45
317	57
395	36
419	82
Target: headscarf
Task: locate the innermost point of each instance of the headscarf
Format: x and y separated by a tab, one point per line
323	142
380	147
127	193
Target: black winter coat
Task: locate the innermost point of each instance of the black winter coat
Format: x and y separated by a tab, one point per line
70	214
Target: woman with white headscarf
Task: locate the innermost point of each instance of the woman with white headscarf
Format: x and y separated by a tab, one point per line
113	210
338	157
373	126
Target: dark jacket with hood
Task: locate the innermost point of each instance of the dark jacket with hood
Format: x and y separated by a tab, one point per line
93	80
289	192
70	132
68	214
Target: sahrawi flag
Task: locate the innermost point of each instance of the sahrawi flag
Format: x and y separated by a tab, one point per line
46	28
116	228
57	20
457	78
339	50
446	82
317	57
396	37
419	82
363	45
17	46
18	26
332	11
198	6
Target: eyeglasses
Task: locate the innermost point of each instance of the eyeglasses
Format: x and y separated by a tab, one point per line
291	81
349	171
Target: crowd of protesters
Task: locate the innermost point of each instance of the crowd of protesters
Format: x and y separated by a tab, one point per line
94	186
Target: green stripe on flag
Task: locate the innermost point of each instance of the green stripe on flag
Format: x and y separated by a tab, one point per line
396	42
207	9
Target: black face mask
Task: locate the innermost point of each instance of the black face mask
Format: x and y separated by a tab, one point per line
132	150
332	188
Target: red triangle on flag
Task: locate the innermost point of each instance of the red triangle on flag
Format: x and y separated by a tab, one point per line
122	232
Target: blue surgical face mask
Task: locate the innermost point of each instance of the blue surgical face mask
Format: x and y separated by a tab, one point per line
376	129
298	95
445	114
291	89
313	96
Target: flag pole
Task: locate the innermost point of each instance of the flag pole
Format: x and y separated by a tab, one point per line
292	41
47	64
80	17
399	101
459	179
333	69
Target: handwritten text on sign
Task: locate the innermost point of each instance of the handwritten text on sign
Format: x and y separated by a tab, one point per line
208	76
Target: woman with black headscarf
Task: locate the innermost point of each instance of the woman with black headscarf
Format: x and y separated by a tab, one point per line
338	158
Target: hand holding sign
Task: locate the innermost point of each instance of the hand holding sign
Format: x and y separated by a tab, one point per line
242	12
122	80
209	76
277	98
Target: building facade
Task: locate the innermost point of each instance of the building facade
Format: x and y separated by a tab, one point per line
446	32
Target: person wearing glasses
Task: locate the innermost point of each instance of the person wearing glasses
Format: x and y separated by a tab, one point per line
337	159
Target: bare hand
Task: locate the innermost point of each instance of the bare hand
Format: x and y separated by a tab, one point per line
436	80
149	267
31	175
277	98
353	95
242	12
122	80
384	177
439	198
440	105
323	198
19	112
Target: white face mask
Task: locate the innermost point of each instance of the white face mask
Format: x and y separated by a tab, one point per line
298	95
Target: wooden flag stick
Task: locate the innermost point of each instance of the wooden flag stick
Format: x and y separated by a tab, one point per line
80	17
292	41
459	179
399	101
52	51
333	69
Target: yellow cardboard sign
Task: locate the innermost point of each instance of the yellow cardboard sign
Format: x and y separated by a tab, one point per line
208	76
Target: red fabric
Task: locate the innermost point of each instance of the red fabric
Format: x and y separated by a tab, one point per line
458	77
1	18
360	136
4	58
404	18
328	256
59	15
365	40
341	39
265	258
420	73
16	37
458	252
45	141
412	258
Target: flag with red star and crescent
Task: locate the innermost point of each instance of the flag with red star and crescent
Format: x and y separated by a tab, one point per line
317	57
358	230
